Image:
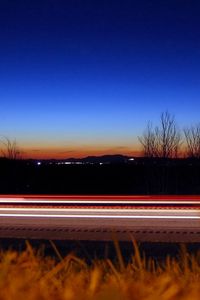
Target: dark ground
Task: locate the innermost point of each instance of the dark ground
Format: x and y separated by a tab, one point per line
145	177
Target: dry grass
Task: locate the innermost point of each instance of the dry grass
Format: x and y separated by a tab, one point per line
30	275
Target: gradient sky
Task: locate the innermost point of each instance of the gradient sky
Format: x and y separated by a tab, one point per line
84	77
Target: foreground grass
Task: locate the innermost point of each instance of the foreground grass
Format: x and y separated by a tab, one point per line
31	275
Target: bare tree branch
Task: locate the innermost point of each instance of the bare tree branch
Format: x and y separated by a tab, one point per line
163	141
192	136
148	141
10	148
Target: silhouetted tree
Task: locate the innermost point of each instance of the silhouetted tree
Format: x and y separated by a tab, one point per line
148	141
162	141
10	149
192	136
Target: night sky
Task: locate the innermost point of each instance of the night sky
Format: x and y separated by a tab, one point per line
84	77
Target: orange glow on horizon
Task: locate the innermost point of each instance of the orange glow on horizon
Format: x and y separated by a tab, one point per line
60	153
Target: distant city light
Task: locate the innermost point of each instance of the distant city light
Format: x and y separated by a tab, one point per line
69	163
39	163
131	158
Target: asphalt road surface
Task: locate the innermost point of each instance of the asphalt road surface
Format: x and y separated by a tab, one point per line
154	219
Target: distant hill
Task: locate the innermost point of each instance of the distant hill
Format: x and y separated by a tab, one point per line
117	158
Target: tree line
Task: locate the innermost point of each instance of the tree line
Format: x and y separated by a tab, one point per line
166	140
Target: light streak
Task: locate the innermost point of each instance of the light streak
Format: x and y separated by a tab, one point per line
100	216
72	201
101	210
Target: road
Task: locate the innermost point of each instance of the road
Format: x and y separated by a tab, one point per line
170	219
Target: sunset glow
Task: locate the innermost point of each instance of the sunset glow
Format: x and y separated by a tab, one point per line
76	152
83	78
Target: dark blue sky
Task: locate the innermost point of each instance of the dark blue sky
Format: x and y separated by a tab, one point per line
84	77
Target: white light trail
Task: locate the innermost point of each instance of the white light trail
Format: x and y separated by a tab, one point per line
100	216
72	201
102	210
